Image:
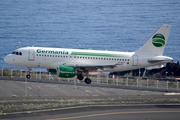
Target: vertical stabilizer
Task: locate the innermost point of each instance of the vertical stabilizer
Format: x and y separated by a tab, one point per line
156	44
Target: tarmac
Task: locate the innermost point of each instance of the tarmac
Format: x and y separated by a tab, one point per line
19	88
20	91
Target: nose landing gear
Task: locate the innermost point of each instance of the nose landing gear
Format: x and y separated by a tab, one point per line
28	76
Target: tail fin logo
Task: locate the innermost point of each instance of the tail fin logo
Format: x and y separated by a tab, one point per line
158	40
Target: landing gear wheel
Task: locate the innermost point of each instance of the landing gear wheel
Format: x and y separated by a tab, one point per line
80	77
87	81
28	76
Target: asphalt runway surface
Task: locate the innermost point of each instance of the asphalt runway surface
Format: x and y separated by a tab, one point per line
115	114
18	88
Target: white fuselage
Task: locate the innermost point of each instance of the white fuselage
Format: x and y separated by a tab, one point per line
51	58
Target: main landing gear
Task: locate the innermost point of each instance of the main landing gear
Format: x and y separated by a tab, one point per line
81	77
87	80
28	76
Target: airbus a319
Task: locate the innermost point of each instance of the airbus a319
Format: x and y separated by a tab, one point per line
69	63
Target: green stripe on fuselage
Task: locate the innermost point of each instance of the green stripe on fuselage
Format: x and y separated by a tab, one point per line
97	54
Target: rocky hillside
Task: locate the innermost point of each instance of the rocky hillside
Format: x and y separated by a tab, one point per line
170	69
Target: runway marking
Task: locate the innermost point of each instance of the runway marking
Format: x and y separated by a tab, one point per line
171	93
44	90
88	91
6	90
113	90
81	92
19	88
64	91
114	113
100	92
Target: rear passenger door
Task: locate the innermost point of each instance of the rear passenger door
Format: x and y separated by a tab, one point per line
135	60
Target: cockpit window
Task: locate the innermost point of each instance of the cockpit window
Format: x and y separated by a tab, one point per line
17	53
13	52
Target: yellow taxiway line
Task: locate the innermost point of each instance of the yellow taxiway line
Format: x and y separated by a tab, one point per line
115	113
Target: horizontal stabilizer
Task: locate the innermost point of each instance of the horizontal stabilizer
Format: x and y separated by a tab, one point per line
160	59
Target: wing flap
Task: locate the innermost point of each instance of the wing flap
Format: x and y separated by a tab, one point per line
89	65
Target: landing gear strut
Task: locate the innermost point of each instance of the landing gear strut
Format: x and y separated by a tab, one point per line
28	76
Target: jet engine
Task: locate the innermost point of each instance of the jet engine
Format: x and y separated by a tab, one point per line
66	71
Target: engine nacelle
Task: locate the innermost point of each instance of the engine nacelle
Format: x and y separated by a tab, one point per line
66	71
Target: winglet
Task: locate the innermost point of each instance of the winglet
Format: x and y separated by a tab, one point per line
156	44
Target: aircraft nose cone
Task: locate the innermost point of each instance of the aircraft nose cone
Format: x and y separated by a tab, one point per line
6	59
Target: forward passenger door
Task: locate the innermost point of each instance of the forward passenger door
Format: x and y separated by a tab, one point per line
31	55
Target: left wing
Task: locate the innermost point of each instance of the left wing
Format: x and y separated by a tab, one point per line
87	66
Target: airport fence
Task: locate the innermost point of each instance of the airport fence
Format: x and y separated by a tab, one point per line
107	80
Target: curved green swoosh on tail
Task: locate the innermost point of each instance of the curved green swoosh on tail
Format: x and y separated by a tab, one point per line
158	40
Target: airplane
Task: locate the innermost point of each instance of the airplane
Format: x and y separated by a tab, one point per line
68	63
